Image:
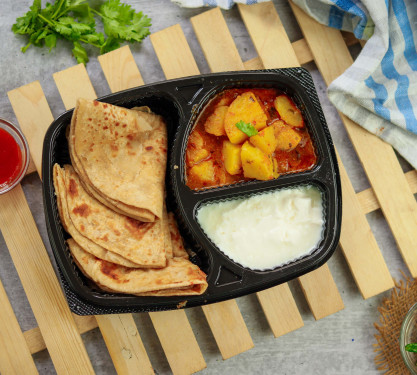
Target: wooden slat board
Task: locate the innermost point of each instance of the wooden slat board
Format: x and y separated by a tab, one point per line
15	357
178	358
177	60
377	157
357	241
119	331
225	320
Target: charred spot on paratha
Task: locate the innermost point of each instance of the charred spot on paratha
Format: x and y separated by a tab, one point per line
137	228
82	210
73	190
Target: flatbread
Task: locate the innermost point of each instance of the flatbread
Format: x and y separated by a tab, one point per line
121	155
139	242
179	278
84	242
167	234
177	243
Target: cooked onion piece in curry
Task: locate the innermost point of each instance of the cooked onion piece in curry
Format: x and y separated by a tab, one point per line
245	134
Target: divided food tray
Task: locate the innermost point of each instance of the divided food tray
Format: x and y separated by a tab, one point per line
179	102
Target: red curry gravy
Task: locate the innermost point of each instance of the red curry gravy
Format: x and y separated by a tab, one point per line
301	158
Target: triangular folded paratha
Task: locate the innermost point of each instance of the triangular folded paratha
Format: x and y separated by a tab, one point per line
179	277
84	242
120	156
139	242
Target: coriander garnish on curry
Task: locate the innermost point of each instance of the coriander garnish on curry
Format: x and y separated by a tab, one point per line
245	134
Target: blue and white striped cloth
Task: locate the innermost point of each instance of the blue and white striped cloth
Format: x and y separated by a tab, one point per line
379	91
225	4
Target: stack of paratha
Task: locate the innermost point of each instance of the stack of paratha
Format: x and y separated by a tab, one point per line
111	202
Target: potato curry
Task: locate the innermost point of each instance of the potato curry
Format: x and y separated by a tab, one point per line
246	134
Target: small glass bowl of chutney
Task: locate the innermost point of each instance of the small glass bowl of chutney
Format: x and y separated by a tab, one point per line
14	156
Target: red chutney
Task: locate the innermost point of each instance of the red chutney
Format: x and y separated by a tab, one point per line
10	158
209	147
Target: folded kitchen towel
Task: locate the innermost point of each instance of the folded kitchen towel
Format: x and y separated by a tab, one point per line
379	91
225	4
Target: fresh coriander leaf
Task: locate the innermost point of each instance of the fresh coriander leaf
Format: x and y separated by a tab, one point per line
83	14
63	29
94	38
81	28
42	35
28	23
247	128
411	348
80	53
50	41
122	22
113	9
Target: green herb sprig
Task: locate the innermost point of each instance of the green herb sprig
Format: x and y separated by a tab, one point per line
247	128
74	20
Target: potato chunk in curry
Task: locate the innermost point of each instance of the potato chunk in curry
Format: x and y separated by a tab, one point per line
288	111
231	157
204	172
215	122
287	138
244	108
257	164
265	140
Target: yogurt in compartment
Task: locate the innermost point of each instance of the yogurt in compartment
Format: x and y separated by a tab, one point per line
268	230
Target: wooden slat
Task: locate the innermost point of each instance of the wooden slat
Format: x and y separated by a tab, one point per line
36	343
34	116
216	41
173	53
167	325
31	167
228	327
15	357
126	75
286	317
177	60
269	36
179	358
377	157
323	299
119	331
357	241
124	344
280	295
70	89
41	285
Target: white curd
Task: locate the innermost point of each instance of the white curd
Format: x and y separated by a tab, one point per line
268	230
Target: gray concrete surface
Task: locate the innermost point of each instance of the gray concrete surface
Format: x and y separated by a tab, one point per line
339	344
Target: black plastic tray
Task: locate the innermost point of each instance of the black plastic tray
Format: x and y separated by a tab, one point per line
179	102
